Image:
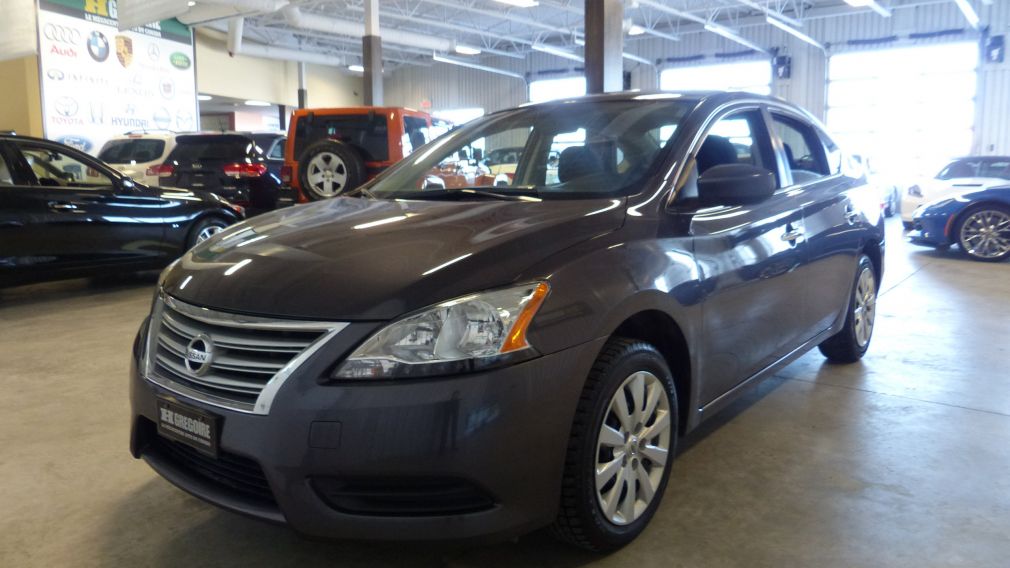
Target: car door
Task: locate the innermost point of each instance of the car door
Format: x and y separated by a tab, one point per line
749	257
90	217
831	214
26	249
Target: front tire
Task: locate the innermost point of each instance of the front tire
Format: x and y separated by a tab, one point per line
983	233
850	344
623	441
204	229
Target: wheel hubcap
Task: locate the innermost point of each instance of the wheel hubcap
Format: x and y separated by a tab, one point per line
865	306
632	448
986	234
327	174
208	232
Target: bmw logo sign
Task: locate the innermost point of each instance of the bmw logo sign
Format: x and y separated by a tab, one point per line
98	46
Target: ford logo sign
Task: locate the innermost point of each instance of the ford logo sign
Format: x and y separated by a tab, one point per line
78	142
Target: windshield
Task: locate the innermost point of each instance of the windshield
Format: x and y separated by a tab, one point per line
967	168
132	151
575	150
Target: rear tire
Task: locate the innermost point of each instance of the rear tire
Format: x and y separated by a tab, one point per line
625	428
983	233
850	344
204	229
329	168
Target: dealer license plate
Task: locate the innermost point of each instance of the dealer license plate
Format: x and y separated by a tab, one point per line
188	425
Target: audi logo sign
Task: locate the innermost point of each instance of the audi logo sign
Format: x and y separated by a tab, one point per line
62	34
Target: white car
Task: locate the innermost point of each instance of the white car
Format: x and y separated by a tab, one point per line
963	174
134	153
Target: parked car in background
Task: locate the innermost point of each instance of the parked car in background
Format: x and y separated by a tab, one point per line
890	192
978	222
134	154
65	214
474	362
332	151
272	145
963	174
231	165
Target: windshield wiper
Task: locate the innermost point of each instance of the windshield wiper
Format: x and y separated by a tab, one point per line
363	191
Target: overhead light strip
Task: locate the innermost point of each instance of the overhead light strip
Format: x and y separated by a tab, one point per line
479	67
557	51
794	32
733	36
969	12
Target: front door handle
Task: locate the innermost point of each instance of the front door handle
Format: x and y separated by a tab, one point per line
61	206
851	215
791	235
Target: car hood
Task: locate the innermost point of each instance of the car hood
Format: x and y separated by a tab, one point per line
357	259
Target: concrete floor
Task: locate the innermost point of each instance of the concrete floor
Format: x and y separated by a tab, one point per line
900	460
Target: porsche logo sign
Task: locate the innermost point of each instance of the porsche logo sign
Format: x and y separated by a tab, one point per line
124	50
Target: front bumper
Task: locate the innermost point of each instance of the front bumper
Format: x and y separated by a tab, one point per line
930	230
500	436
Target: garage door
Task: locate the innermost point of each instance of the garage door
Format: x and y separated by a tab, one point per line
910	109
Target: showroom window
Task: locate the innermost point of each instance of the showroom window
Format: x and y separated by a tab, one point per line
751	76
908	109
553	89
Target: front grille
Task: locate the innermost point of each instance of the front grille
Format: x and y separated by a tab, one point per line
243	354
230	471
402	496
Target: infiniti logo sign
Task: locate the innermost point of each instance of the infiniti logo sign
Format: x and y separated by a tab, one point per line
199	354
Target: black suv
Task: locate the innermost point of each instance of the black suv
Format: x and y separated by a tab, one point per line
65	214
232	165
420	362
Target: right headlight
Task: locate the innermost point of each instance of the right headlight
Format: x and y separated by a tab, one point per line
465	334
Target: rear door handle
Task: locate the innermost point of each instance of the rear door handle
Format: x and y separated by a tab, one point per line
61	206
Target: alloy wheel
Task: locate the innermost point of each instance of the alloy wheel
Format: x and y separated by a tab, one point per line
865	310
208	232
327	174
986	234
632	448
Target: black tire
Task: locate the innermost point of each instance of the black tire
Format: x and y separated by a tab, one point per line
580	520
907	225
346	172
203	226
845	346
963	219
892	204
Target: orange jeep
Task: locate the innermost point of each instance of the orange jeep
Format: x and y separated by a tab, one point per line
333	150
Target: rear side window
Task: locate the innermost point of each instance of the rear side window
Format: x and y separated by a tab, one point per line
6	176
130	151
366	133
804	152
415	134
994	169
211	148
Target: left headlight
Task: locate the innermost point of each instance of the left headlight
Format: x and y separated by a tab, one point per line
465	334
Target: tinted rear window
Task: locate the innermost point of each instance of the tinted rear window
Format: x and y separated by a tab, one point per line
210	148
367	133
136	150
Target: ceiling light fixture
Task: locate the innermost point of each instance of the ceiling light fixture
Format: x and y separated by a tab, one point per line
356	68
969	12
636	30
519	3
191	3
467	50
204	97
733	36
544	48
794	32
871	4
257	103
469	65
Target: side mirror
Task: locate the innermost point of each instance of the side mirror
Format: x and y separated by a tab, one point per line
735	184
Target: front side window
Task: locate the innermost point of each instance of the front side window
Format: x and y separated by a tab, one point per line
583	150
732	140
803	150
54	168
415	134
6	177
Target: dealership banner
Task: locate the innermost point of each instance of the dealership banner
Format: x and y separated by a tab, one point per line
98	82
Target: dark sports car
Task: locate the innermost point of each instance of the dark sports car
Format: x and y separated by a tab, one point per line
65	214
977	221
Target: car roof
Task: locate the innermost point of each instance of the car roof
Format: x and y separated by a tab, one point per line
688	95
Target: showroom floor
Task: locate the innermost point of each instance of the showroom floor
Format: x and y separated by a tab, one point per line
901	460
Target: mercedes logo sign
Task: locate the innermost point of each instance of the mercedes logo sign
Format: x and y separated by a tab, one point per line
199	354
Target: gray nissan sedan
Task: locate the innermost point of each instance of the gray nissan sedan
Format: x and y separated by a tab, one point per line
448	353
